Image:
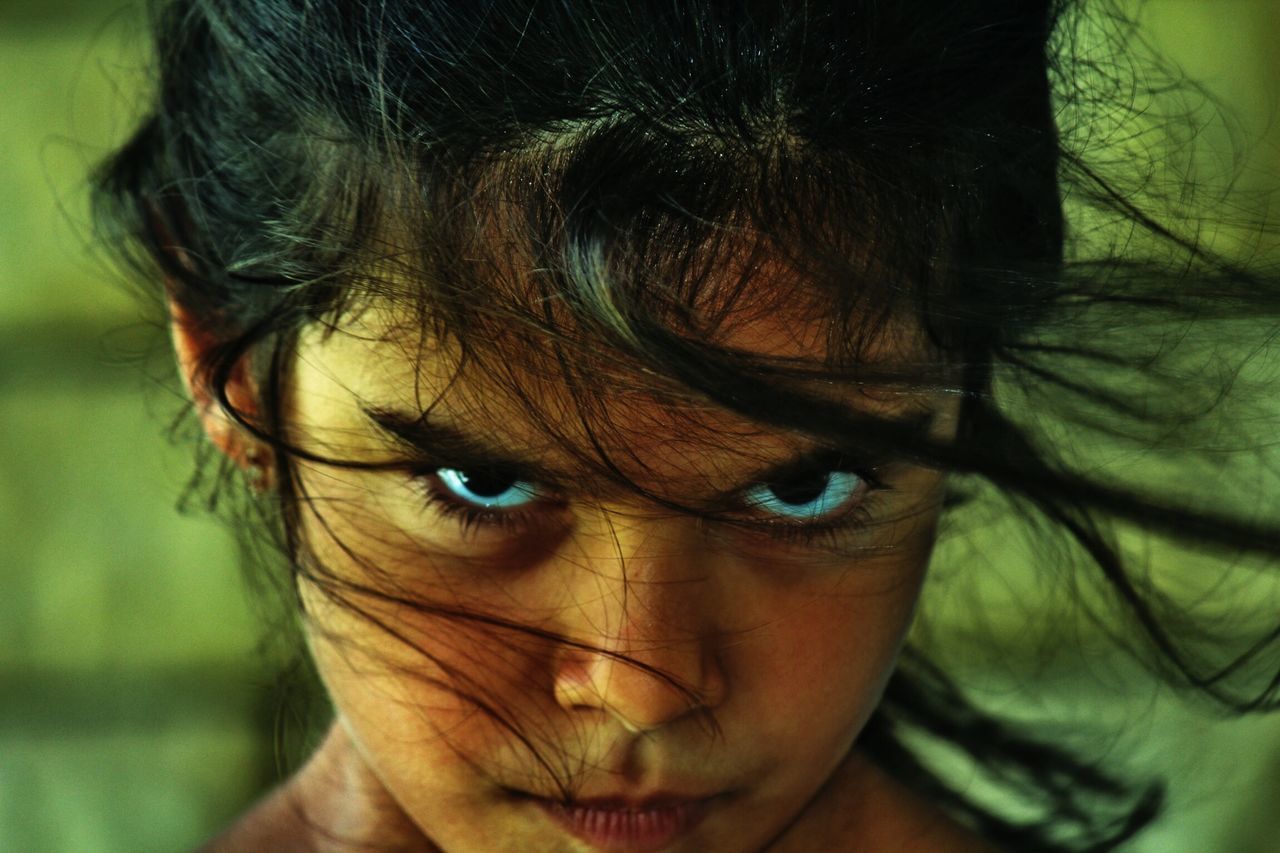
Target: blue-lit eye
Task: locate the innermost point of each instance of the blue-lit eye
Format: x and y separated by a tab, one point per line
487	489
808	497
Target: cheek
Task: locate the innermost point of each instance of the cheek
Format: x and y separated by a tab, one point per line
397	666
823	669
411	707
411	680
445	765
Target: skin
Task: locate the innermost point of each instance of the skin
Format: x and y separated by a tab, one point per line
786	645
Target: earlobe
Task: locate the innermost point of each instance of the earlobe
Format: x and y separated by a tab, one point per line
192	344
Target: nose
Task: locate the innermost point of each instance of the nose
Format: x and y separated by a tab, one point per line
644	647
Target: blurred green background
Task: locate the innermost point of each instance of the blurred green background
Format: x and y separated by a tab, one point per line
133	708
136	710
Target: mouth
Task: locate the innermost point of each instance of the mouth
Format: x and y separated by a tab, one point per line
619	824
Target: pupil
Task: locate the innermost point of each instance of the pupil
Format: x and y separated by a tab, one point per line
802	490
485	484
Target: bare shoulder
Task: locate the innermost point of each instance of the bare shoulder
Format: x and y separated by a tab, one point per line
333	803
277	822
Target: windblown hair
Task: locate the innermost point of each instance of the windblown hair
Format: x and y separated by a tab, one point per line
647	165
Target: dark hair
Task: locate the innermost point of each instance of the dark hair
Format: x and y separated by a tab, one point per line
903	159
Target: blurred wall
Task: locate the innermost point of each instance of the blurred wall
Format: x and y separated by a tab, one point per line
134	713
131	703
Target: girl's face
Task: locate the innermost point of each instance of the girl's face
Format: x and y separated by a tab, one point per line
692	683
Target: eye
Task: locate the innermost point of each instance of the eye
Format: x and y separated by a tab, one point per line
812	496
487	489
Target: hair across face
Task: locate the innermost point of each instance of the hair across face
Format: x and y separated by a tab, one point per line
617	358
491	659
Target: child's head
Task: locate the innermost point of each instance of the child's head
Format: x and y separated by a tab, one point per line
607	358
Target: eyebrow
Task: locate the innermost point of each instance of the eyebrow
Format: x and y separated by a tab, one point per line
915	427
443	445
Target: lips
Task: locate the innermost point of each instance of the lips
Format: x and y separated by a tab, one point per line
616	824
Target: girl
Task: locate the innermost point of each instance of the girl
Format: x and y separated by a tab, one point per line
606	368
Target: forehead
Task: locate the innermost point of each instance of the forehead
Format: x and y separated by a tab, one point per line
649	429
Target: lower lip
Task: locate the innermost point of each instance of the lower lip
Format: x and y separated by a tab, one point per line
626	829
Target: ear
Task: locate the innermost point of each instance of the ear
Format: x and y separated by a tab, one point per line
192	343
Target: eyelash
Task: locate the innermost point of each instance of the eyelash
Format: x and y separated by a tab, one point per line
470	518
858	516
